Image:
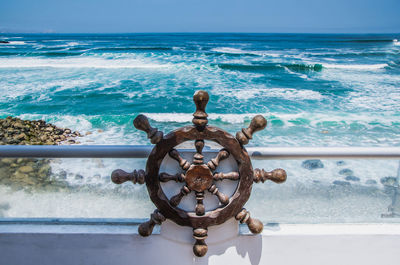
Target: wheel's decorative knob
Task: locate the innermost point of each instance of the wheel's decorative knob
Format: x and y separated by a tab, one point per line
200	247
200	116
199	175
277	175
142	123
146	228
255	225
119	176
258	123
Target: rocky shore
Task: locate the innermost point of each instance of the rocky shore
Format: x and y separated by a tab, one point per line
14	131
28	173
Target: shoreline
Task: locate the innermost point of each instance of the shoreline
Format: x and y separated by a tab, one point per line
15	131
28	173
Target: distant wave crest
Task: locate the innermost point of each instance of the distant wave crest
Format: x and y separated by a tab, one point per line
299	67
80	62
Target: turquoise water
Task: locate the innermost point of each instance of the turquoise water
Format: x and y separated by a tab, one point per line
315	90
320	90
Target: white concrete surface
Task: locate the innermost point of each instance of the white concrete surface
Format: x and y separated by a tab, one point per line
121	245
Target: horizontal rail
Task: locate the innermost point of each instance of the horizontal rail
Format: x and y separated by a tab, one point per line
324	152
73	221
76	151
142	151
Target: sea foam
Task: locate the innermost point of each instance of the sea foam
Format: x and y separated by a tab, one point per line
367	67
80	62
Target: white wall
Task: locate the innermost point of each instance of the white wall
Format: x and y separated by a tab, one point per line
24	244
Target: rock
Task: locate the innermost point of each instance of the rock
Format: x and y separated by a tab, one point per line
341	183
389	181
4	206
62	174
12	141
4	41
20	176
371	182
44	169
7	161
21	136
352	178
100	130
18	125
346	172
312	164
26	169
29	181
88	133
340	163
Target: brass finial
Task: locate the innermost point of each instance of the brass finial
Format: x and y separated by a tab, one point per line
200	98
258	123
142	123
277	175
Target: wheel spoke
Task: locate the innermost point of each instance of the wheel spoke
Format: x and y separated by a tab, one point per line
176	199
213	163
183	163
221	176
198	157
199	206
224	200
164	177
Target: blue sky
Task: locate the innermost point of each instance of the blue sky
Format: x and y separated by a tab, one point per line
116	16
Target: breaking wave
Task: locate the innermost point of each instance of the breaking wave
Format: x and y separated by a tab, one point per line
80	62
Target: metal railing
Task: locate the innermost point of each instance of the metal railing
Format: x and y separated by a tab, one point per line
142	151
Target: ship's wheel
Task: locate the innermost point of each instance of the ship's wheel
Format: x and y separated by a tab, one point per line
199	176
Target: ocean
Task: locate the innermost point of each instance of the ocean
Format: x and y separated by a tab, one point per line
314	90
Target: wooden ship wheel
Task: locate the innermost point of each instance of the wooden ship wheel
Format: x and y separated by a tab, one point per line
199	177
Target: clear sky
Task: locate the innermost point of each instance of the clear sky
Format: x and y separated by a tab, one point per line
115	16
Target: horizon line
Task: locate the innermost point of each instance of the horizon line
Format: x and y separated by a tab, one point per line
201	32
